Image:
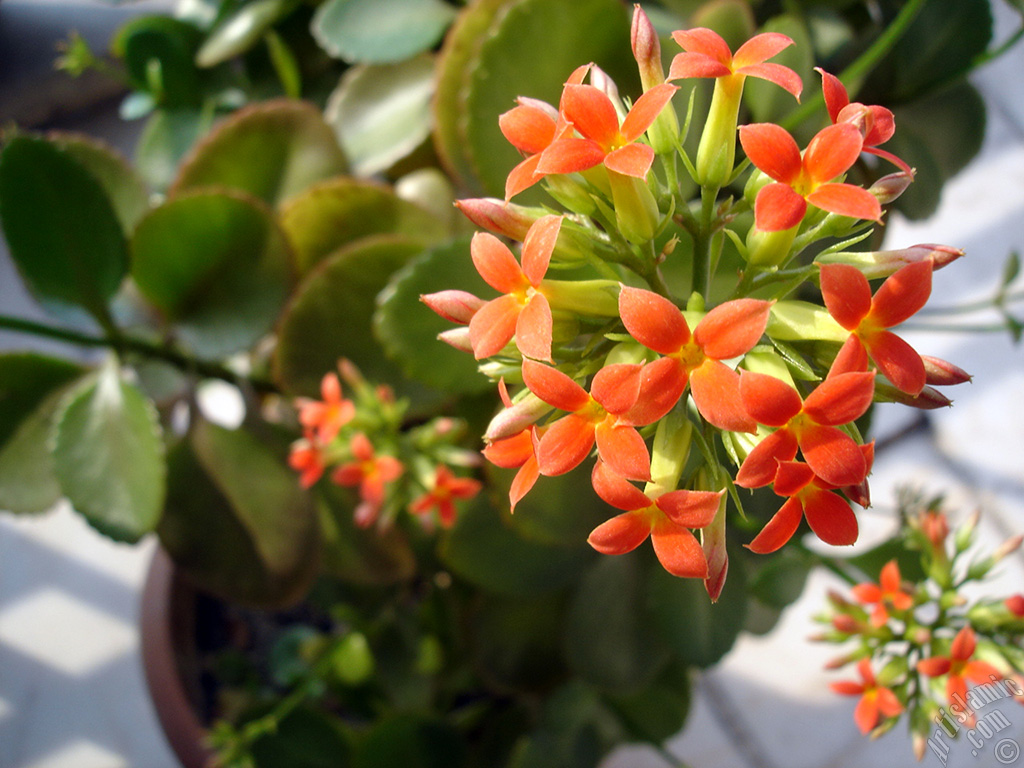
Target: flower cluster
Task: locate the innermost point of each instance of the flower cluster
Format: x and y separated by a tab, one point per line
362	443
925	648
729	341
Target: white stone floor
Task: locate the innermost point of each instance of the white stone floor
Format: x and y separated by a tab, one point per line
72	693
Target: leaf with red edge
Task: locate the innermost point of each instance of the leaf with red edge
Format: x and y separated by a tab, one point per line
846	293
653	320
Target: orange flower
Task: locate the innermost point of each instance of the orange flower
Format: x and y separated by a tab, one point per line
812	425
847	296
307	458
371	473
887	593
523	312
667	519
602	416
516	451
706	54
325	417
808	178
960	667
602	140
727	331
827	513
447	488
875	123
875	702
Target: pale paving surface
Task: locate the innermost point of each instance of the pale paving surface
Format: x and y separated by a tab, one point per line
71	688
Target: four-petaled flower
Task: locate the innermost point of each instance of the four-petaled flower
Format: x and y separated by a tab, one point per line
960	667
706	54
887	593
602	140
812	425
446	490
325	417
847	295
371	473
727	331
307	458
667	518
516	451
827	513
876	701
602	416
875	123
523	312
809	178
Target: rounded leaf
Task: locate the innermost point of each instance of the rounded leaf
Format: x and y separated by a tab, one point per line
380	31
240	30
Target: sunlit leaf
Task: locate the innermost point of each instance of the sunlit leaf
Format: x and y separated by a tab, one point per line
380	31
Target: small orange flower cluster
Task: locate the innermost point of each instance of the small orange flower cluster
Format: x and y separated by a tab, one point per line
362	441
764	383
921	647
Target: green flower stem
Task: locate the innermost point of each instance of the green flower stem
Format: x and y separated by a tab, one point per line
123	344
701	282
863	64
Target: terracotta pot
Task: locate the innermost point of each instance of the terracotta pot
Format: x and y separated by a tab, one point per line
168	626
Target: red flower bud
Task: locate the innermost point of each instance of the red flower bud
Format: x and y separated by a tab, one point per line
889	188
501	218
939	372
454	306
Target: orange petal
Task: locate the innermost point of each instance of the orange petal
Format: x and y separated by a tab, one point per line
832	151
617	490
760	48
833	455
554	387
934	666
841	398
847	687
678	551
898	361
565	445
592	113
716	392
888	704
495	263
775	73
831	518
616	387
889	579
623	450
733	328
777	208
963	644
768	400
847	294
866	713
902	294
527	128
533	329
511	451
792	477
622	534
493	326
570	155
692	509
773	150
834	92
523	176
867	593
524	480
653	320
661	385
779	529
762	463
538	246
705	41
646	109
846	200
631	160
696	65
852	358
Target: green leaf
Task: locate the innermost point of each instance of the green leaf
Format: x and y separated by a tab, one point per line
26	378
359	555
330	317
236	520
60	227
767	101
658	711
166	139
304	738
410	741
27	481
240	30
216	265
483	548
108	456
272	150
515	642
575	731
699	631
505	64
340	211
381	113
607	639
158	51
780	579
408	329
124	187
380	31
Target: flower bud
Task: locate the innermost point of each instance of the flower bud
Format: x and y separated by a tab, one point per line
770	249
663	133
636	211
929	399
803	321
879	264
1015	605
458	338
964	535
497	216
888	188
942	373
713	543
670	450
585	297
454	306
1008	547
516	417
716	152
